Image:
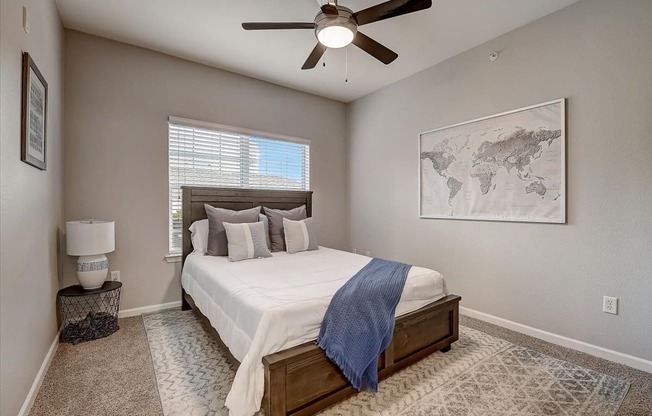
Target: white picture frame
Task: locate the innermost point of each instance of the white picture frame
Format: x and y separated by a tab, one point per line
494	184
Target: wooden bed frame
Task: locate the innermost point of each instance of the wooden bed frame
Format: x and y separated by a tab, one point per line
301	380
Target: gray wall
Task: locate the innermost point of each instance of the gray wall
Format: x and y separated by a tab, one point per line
118	98
31	202
552	277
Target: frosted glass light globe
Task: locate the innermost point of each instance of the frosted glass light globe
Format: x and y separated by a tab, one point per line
335	36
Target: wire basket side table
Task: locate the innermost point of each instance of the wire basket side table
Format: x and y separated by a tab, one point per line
89	314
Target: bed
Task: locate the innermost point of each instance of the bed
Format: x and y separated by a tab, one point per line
282	363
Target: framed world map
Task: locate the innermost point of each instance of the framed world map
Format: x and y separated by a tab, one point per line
506	167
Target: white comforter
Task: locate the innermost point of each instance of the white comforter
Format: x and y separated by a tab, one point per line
267	305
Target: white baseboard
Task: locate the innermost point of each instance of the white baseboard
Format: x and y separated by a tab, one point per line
147	309
36	385
607	354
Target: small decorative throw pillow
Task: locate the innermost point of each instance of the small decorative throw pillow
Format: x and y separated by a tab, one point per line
216	233
246	241
299	235
275	217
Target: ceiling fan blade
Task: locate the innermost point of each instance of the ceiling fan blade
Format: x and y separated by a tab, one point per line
375	49
314	57
389	9
276	25
329	9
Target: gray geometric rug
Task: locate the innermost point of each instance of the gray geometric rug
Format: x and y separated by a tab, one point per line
481	375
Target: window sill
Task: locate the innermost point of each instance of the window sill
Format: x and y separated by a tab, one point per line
173	258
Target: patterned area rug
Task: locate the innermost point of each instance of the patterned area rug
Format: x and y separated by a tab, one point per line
481	375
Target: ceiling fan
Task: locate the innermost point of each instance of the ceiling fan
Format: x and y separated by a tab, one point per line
337	26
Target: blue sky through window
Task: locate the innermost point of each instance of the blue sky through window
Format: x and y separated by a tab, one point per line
280	158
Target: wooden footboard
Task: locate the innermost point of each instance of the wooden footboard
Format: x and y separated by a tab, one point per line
302	380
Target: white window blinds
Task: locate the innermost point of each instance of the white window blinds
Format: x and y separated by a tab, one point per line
205	154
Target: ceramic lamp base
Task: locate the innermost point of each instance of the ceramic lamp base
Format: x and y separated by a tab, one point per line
92	271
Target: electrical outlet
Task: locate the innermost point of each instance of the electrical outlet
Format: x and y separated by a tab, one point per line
367	253
610	305
115	276
354	251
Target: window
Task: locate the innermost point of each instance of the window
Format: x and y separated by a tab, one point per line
205	154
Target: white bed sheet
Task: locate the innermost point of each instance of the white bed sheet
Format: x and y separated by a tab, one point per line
267	305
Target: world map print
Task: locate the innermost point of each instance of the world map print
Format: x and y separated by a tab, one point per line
507	167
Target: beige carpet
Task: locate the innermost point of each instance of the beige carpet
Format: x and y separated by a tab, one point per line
106	377
115	375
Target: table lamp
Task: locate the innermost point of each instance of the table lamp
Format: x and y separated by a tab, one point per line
91	240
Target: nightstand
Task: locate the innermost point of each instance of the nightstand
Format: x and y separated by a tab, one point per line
89	314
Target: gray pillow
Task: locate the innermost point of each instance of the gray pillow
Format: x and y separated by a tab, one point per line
299	235
275	217
246	241
263	218
216	234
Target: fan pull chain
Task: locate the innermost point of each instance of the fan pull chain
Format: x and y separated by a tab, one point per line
346	65
324	62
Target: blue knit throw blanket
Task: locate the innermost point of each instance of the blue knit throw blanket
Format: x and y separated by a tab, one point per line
359	322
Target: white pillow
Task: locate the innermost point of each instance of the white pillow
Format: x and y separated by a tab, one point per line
199	236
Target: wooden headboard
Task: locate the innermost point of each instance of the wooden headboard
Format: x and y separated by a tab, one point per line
194	198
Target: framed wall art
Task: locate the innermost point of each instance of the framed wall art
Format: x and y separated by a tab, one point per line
506	167
34	115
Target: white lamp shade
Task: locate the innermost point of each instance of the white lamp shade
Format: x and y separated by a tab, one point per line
87	238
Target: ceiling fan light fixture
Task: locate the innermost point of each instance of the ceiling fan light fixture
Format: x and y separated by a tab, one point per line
336	26
335	36
336	31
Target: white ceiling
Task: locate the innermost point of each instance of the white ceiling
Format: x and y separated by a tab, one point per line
209	32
